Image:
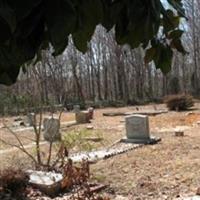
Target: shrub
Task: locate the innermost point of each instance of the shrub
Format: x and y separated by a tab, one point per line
179	102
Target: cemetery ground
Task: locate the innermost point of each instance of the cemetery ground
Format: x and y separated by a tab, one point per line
167	170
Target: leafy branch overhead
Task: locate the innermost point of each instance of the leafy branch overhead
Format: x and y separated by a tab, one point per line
29	26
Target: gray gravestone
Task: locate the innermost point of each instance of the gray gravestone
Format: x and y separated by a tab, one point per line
31	119
137	129
51	129
76	108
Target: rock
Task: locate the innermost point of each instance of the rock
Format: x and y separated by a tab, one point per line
189	113
90	127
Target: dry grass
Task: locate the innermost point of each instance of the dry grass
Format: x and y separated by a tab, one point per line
161	171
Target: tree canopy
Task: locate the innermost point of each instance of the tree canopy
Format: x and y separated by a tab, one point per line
28	26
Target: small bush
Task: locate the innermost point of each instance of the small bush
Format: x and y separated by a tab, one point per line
179	102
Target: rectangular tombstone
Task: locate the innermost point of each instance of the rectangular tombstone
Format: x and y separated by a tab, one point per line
137	130
137	127
31	119
83	117
51	129
76	108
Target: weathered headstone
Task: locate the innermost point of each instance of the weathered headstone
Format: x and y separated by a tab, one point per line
31	119
91	112
83	117
137	129
76	108
51	129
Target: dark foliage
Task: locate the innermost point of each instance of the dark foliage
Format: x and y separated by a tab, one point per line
27	27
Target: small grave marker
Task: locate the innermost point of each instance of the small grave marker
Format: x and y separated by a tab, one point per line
31	119
83	117
76	108
91	112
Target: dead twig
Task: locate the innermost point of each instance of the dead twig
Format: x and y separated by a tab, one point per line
20	146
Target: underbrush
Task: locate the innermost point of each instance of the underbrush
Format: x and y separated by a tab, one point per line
179	102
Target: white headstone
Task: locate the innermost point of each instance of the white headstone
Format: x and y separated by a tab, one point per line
137	129
51	129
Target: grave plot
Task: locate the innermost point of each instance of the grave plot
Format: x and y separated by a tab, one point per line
151	172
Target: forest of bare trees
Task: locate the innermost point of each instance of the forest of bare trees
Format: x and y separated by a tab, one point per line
108	72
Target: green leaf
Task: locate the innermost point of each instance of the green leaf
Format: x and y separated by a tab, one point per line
163	58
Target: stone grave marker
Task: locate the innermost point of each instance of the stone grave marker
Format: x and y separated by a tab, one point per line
51	129
137	130
76	108
91	112
83	117
31	119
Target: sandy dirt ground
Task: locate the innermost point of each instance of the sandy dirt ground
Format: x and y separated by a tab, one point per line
166	170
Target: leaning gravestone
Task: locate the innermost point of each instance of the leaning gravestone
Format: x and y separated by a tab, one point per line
51	129
137	130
